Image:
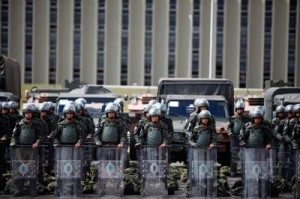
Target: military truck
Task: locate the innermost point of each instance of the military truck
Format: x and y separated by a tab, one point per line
276	95
179	95
10	79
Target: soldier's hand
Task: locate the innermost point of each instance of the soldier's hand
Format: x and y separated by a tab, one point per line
162	146
268	146
211	146
120	146
138	145
3	138
279	137
242	144
195	145
77	146
287	139
35	145
55	145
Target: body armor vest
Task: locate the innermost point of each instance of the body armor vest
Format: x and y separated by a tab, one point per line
204	137
154	136
110	133
237	125
27	135
256	138
68	135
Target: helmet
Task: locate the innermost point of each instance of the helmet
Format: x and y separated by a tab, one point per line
239	105
69	108
161	107
256	113
196	102
79	105
154	112
5	105
111	107
82	100
289	108
51	105
296	108
204	114
13	105
202	102
280	109
119	101
151	102
45	107
147	108
28	108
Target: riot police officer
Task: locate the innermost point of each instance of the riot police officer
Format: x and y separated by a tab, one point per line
69	132
200	104
154	132
26	132
203	135
234	126
110	130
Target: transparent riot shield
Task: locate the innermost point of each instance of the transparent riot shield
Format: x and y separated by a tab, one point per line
110	171
154	170
24	163
297	154
202	172
68	170
258	172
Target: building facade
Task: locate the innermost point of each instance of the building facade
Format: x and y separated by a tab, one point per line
136	42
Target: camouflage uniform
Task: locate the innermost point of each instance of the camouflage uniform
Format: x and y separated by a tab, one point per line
234	127
69	132
110	132
26	132
255	135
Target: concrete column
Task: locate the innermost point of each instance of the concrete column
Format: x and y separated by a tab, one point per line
40	45
16	33
231	41
65	27
297	62
280	35
207	51
255	58
184	31
136	42
89	35
160	40
113	27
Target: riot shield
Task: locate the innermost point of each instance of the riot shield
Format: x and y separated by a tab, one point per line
258	172
24	163
202	172
297	153
154	170
110	171
68	170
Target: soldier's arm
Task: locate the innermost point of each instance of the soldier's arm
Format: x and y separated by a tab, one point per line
166	135
214	137
229	127
98	132
15	135
81	134
123	132
244	134
57	134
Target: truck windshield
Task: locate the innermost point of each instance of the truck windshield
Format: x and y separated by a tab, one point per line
183	108
94	106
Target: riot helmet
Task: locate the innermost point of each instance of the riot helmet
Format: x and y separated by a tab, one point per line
280	109
120	102
5	106
154	111
13	105
204	114
289	108
296	108
239	105
44	107
28	108
82	100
